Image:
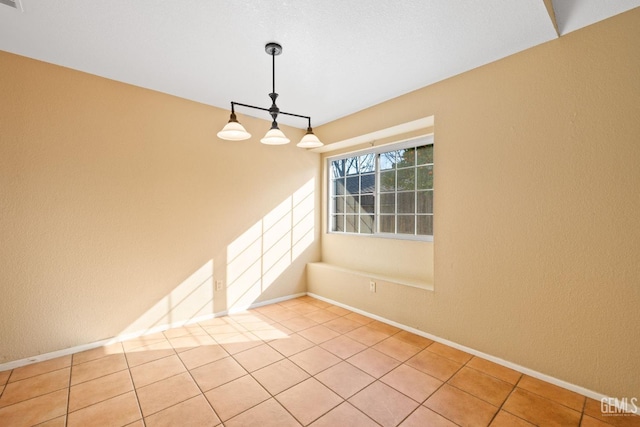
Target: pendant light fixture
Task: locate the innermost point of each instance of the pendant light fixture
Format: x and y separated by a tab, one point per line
234	131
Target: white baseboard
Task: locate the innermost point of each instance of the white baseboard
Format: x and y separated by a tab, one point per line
130	335
160	328
535	374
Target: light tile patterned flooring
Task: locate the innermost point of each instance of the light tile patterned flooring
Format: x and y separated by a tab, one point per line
299	362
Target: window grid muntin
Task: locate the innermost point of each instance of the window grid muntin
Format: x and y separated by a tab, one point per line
356	178
422	156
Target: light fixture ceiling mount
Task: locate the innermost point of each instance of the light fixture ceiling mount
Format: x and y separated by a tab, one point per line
273	49
234	131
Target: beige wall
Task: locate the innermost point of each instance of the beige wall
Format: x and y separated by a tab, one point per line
537	200
119	207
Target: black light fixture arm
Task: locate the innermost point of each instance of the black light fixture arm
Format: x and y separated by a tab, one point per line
233	104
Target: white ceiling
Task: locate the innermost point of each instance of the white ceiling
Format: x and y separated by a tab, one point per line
338	57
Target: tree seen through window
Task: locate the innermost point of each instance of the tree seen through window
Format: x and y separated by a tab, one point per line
388	192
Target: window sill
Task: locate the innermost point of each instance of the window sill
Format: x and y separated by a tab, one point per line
414	283
394	236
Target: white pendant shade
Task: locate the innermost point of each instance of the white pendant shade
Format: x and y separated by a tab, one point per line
309	141
234	131
275	137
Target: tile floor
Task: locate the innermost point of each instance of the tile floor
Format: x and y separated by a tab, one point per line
299	362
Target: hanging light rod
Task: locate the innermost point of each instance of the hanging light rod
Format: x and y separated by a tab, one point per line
234	131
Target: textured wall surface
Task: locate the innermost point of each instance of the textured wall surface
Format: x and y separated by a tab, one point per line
537	194
119	208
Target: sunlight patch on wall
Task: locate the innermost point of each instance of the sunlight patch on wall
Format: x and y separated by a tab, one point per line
263	252
190	300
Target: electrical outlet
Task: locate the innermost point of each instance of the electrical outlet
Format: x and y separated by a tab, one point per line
372	286
218	285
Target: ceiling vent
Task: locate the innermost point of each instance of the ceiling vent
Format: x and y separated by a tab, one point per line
12	3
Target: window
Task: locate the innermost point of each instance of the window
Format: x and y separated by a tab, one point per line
386	191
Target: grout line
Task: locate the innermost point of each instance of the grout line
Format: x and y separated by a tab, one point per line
170	406
363	413
149	361
36	397
288	358
553	400
584	405
505	401
35	376
199	388
443	382
153	341
410	413
8	380
366	347
515	386
98	377
271	396
133	385
100	401
66	414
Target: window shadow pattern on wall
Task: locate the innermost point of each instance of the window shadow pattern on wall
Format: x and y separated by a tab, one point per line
189	301
255	260
267	248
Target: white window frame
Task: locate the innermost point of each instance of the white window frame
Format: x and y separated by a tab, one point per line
400	145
